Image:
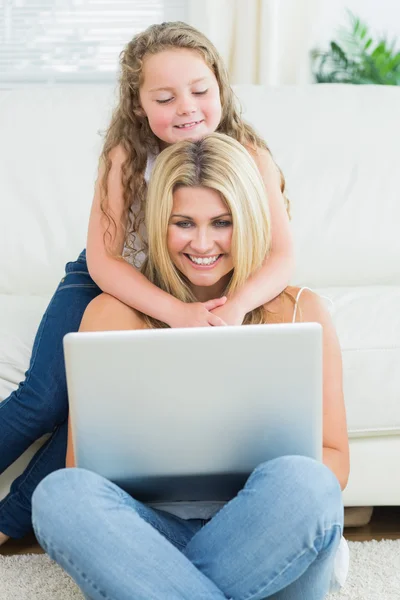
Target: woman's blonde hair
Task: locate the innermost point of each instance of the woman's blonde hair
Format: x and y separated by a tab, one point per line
222	164
130	129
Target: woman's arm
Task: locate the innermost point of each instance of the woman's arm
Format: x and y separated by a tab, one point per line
274	275
70	459
118	278
335	438
104	313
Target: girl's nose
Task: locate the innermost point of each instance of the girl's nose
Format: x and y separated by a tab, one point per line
186	106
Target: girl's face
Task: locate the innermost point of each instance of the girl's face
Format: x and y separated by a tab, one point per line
180	96
199	240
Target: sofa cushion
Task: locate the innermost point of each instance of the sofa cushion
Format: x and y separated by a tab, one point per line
19	319
338	153
338	146
367	320
49	147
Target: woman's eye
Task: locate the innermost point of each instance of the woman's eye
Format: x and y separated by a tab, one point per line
184	224
164	101
221	223
200	93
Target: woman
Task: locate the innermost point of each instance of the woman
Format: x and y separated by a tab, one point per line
208	232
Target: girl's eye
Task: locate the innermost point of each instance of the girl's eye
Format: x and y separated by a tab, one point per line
164	101
184	224
221	223
200	93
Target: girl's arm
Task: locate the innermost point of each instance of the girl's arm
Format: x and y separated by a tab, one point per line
118	278
335	437
274	275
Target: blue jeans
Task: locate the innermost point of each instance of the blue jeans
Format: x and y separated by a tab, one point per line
277	538
40	404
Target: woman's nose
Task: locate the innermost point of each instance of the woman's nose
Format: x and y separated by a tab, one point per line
202	242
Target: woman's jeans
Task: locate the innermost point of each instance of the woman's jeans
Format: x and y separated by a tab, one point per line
277	538
40	403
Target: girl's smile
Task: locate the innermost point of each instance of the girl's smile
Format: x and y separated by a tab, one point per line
190	125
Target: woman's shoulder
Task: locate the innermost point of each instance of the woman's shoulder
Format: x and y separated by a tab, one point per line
310	306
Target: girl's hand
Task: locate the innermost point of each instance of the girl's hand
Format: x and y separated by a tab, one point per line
198	314
230	312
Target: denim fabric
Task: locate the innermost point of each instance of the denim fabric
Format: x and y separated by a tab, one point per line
40	403
276	539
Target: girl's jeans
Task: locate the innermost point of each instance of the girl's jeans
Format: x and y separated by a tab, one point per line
277	538
40	403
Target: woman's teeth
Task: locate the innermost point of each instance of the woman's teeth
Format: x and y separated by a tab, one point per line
204	261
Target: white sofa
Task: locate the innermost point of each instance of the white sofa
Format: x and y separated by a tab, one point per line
339	149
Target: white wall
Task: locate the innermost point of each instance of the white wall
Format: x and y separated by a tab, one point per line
382	17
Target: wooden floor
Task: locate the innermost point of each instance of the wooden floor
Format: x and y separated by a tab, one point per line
384	525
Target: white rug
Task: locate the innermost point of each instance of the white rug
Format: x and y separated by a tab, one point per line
374	575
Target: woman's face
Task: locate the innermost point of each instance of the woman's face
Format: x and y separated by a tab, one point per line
199	240
180	96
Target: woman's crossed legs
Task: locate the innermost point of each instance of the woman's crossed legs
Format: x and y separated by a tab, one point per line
277	538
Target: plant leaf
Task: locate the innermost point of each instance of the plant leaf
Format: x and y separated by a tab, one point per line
357	58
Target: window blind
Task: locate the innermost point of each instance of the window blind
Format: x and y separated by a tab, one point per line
61	41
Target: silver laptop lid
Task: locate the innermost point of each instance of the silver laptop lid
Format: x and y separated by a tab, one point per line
157	410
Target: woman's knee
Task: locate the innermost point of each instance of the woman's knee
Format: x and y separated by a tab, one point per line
62	494
106	313
303	482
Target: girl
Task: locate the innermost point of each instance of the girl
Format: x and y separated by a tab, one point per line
279	536
173	87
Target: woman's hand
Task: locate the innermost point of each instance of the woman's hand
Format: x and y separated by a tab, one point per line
198	314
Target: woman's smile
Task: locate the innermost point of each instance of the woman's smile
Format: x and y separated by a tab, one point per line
200	238
203	262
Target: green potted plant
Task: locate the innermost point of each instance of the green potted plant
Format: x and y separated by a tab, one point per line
357	58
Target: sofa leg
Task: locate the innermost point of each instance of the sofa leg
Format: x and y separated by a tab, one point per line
357	516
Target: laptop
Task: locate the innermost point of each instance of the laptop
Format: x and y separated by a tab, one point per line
187	414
